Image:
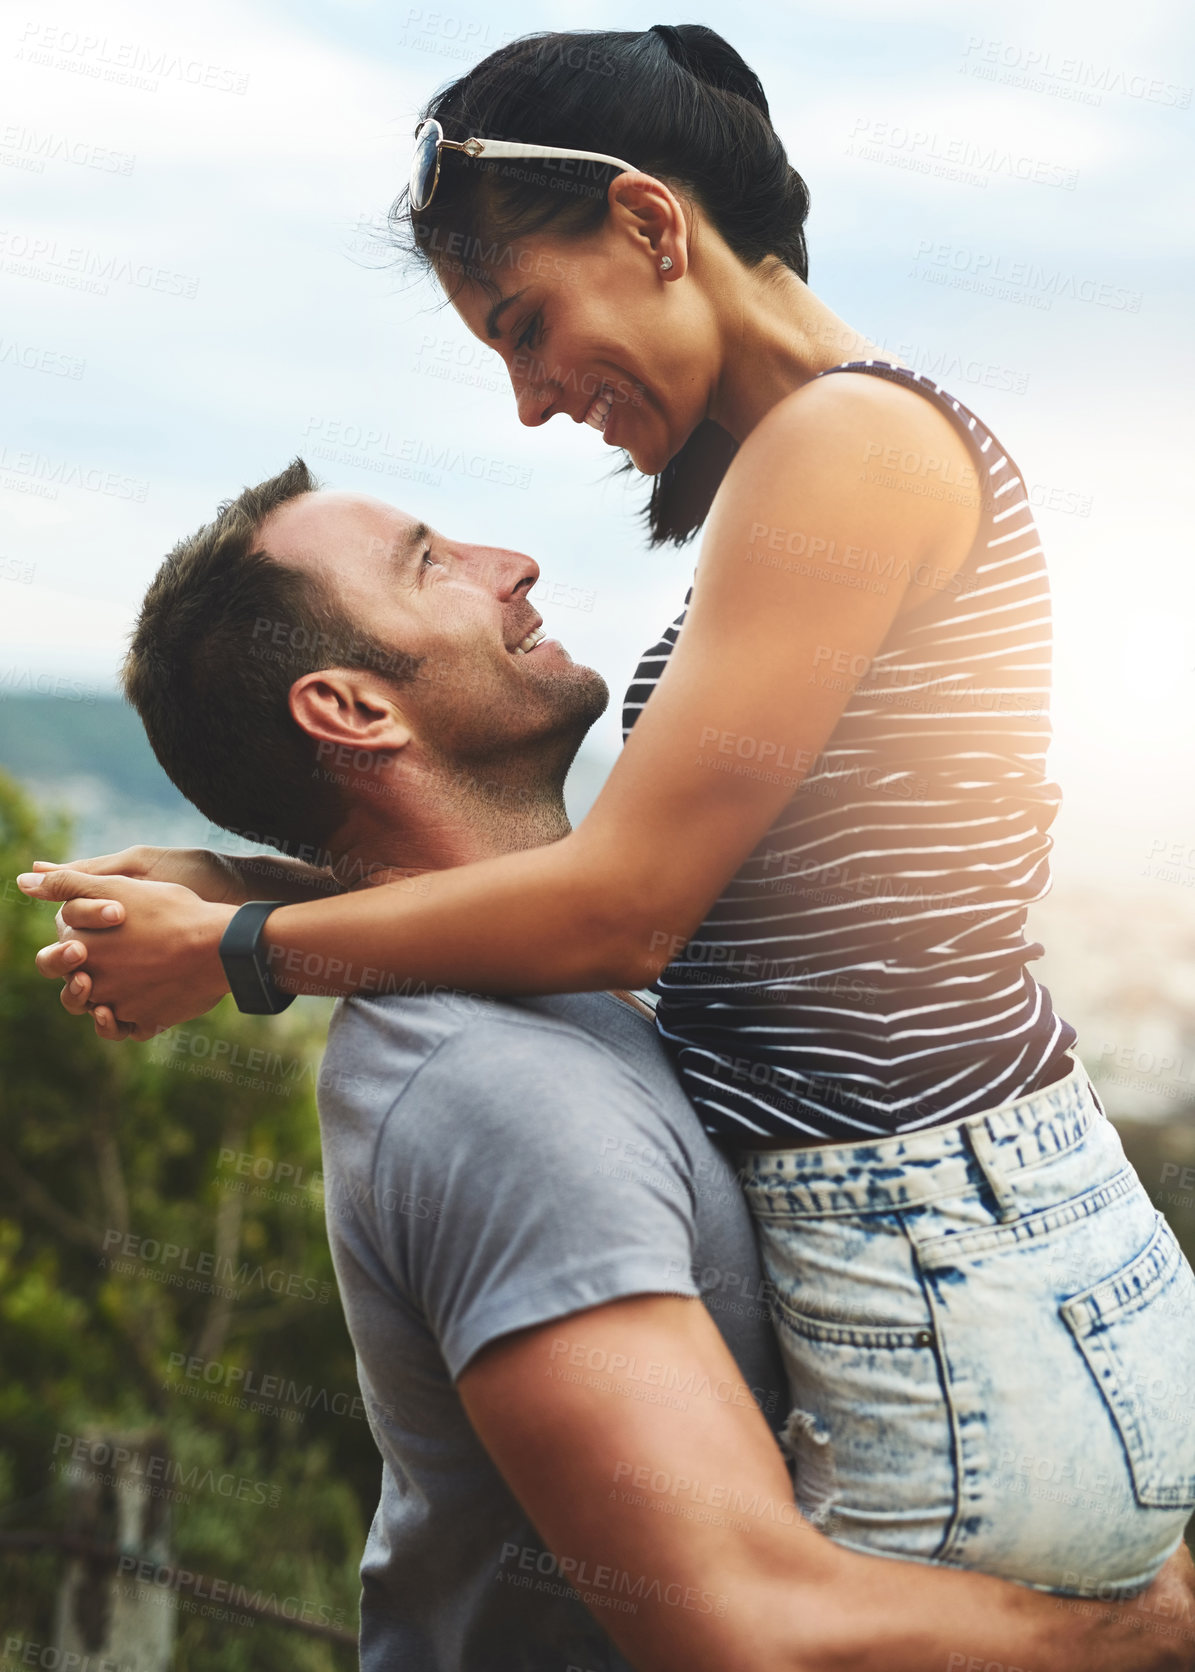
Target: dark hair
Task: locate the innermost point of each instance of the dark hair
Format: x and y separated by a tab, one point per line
677	102
223	633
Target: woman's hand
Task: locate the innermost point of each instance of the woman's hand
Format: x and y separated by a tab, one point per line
1159	1612
223	878
212	876
151	950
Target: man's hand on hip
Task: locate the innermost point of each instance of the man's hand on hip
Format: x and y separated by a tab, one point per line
626	1433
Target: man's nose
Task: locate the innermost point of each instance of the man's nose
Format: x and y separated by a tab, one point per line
501	572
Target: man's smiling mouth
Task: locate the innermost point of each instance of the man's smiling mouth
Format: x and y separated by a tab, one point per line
529	643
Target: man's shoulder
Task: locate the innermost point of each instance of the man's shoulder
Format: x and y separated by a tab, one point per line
477	1106
417	1020
485	1054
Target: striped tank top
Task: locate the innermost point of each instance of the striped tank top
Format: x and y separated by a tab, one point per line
864	973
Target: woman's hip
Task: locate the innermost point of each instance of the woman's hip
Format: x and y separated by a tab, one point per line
990	1336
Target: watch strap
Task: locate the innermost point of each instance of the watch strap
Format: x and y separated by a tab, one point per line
243	956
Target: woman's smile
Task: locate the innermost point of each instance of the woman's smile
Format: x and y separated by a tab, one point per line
600	408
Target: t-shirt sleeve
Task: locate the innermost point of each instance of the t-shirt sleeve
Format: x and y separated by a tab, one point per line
523	1174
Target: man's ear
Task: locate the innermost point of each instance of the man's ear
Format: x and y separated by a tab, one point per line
349	706
647	211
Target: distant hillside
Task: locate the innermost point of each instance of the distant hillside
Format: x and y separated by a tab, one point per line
91	760
49	739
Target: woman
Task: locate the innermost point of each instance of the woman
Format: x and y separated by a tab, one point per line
823	834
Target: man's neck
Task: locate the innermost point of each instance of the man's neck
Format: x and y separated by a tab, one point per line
448	817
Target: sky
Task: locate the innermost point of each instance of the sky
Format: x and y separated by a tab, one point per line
194	288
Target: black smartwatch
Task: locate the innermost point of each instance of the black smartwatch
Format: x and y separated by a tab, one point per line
249	981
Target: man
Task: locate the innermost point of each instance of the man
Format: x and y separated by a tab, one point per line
547	1270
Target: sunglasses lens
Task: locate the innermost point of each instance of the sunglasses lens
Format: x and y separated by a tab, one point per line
423	166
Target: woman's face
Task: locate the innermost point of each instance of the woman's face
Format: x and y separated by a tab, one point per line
591	327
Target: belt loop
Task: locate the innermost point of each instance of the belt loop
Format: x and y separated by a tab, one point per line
984	1151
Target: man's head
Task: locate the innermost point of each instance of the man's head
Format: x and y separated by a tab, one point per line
311	662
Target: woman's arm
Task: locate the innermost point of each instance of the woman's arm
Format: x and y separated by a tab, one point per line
745	687
807	558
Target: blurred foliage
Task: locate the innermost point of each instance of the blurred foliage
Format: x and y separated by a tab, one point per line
99	1143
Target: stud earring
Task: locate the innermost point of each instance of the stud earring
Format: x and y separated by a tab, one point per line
665	263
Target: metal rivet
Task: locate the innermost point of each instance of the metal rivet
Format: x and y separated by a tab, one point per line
923	1338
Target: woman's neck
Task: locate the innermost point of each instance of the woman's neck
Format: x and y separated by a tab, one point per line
777	335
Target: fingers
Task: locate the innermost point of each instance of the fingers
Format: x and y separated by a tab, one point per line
75	994
64	884
75	999
59	961
108	1027
89	914
129	862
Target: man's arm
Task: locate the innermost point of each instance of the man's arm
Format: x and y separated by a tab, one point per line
626	1433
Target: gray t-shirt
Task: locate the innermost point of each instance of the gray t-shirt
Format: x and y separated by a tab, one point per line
489	1165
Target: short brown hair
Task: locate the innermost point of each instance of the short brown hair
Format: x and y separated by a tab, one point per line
224	632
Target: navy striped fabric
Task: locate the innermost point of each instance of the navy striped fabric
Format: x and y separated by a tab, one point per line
865	972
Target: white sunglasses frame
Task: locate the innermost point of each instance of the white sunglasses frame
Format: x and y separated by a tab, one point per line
477	147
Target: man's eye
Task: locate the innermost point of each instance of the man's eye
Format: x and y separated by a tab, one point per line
428	558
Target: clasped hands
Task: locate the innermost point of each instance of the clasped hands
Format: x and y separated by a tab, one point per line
137	947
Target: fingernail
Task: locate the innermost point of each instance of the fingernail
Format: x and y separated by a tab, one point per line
29	882
110	914
73	954
74	985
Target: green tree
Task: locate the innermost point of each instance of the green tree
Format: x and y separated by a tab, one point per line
163	1247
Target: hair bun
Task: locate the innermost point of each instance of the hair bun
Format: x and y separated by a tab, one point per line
704	54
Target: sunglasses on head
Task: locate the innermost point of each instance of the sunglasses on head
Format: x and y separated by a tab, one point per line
430	141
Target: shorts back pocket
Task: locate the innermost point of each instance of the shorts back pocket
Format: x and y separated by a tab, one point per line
1136	1331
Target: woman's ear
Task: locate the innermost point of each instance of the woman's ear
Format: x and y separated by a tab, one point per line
646	211
350	707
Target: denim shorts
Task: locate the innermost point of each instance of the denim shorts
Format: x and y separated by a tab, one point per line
989	1334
